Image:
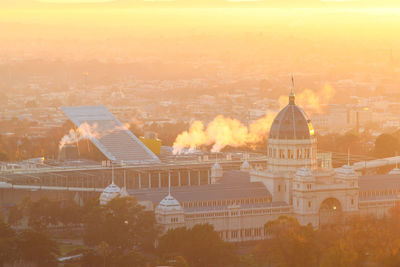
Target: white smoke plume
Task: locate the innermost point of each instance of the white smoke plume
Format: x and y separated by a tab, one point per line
84	131
222	132
312	102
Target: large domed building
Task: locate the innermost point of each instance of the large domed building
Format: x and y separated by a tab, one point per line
291	141
238	203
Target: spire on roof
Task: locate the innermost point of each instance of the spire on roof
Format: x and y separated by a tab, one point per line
292	95
124	191
169	184
348	156
112	174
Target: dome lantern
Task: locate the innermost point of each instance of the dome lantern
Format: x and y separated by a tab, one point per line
292	98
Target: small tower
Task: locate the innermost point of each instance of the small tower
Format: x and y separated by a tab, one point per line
110	192
169	212
303	180
291	141
396	170
347	174
245	167
216	173
303	196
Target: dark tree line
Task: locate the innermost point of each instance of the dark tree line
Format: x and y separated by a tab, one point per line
116	234
122	233
199	246
27	246
358	242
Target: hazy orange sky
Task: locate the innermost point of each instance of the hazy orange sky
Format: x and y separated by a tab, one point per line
265	3
371	24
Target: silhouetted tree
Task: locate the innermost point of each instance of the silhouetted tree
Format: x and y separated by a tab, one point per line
7	243
201	246
386	145
36	247
289	244
122	224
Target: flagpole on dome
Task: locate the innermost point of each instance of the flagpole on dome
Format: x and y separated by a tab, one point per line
291	91
348	156
125	179
112	173
292	95
169	184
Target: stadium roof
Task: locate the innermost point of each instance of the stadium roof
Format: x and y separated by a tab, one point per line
110	136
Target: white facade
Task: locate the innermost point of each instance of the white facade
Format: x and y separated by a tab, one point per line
295	186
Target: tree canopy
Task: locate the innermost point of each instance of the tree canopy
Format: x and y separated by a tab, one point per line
357	241
386	145
122	223
200	246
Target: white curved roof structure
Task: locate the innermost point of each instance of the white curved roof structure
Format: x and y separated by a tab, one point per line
109	193
345	171
216	166
245	166
169	204
395	171
109	135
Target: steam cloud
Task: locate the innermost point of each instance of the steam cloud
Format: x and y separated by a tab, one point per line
310	101
85	131
222	131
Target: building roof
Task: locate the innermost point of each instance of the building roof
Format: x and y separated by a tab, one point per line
395	171
110	136
274	204
169	204
291	123
379	182
233	185
110	192
346	171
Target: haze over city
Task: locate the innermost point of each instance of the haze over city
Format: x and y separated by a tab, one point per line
246	133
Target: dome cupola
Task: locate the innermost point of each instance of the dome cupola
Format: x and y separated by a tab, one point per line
245	166
291	123
395	171
168	204
109	193
291	141
216	173
169	212
346	171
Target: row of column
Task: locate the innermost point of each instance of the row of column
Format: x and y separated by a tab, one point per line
189	177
